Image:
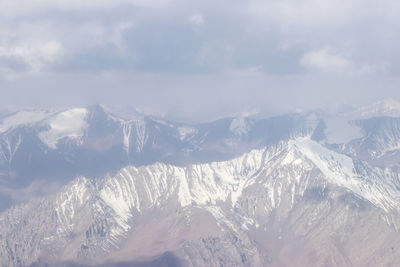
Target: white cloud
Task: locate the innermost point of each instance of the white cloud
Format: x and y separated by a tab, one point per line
326	62
35	54
129	30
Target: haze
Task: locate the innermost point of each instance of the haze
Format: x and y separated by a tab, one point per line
198	60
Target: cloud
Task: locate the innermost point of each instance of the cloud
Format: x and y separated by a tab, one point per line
173	36
326	62
34	55
237	55
15	60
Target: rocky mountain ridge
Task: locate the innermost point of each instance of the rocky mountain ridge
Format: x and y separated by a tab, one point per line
254	210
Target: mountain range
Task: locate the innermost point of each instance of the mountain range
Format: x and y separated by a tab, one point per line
85	186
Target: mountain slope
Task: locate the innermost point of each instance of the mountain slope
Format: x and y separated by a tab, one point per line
41	147
295	202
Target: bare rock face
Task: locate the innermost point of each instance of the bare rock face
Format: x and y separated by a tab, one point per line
293	203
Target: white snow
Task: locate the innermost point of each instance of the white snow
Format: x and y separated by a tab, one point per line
291	158
70	123
219	216
22	118
239	126
186	131
162	122
76	194
136	189
332	164
140	133
184	195
216	181
127	129
112	195
339	169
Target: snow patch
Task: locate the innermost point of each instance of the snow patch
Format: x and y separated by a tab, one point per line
339	169
239	126
141	134
186	131
332	164
184	195
70	123
127	129
22	118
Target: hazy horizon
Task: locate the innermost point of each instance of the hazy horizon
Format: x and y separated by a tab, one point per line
198	60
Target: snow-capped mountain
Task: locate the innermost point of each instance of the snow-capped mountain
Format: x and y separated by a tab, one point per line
54	147
296	198
292	190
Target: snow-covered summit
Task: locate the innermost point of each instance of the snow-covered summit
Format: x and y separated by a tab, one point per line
25	117
67	124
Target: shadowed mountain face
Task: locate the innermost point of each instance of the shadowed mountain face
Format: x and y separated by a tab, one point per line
294	190
165	260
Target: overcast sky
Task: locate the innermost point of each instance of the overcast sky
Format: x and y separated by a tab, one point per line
199	59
